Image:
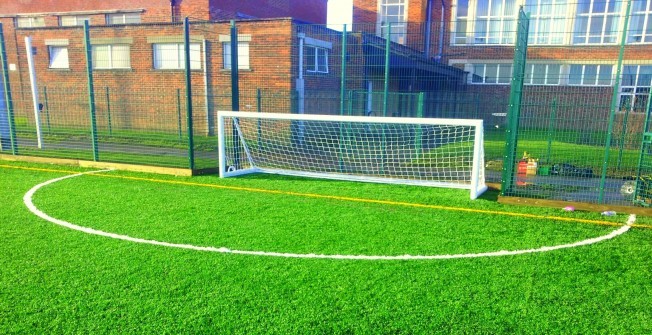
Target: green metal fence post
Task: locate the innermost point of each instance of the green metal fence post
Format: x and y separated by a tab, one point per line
515	96
621	144
551	128
235	91
418	145
179	113
259	108
191	140
47	109
343	72
108	111
91	90
8	98
388	45
614	104
646	129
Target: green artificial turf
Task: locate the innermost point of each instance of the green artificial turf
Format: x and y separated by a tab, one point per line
56	280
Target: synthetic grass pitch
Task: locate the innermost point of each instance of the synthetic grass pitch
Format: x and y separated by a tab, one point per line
64	281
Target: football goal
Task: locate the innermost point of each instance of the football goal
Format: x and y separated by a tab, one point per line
413	151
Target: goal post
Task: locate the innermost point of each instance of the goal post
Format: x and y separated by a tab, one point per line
412	151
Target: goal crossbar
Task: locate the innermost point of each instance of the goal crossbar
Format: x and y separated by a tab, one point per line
412	151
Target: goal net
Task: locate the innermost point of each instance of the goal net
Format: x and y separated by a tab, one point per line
414	151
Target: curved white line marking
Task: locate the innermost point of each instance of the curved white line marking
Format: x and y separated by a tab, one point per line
27	199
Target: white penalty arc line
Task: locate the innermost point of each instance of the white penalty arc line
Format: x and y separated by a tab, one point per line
27	199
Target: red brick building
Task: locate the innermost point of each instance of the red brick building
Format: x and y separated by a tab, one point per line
573	46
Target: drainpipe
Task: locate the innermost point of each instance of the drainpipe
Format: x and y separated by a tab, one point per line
426	51
440	52
172	16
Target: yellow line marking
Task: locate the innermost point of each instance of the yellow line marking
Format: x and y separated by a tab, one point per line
340	198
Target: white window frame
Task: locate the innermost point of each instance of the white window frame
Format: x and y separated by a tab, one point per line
123	18
78	20
596	81
316	68
243	55
549	79
54	61
590	17
399	27
643	35
505	34
644	89
32	21
473	70
178	57
112	65
557	16
459	21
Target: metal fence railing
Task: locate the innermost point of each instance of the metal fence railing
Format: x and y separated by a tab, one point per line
148	93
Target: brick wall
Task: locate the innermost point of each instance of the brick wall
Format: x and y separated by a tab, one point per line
142	97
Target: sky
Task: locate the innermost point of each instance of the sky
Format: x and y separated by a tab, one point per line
340	12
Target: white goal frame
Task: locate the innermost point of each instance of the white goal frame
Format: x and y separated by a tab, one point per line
477	179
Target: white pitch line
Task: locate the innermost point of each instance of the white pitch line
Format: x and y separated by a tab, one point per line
27	199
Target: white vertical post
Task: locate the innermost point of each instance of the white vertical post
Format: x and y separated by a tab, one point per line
32	81
477	186
221	146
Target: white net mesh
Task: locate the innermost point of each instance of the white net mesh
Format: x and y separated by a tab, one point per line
390	150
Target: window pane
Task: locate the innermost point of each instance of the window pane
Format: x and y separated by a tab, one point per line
226	55
101	56
67	21
505	73
604	77
575	75
195	56
644	76
629	75
58	57
132	18
583	6
462	8
481	31
492	73
478	73
528	74
496	8
460	31
599	6
120	56
483	8
639	5
554	73
590	74
166	56
539	74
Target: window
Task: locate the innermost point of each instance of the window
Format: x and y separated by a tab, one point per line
393	12
73	20
171	56
542	74
640	25
496	22
123	18
111	56
635	87
590	75
316	59
28	22
58	57
243	55
491	74
547	21
596	22
461	24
